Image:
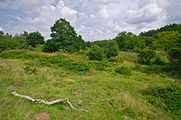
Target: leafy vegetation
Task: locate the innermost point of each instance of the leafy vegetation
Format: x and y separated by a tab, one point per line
64	37
169	98
96	53
112	49
127	77
123	70
145	56
34	39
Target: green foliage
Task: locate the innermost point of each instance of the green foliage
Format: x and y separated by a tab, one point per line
19	54
160	58
148	40
79	67
34	39
174	54
11	54
60	61
165	40
50	46
64	37
122	39
96	53
100	43
171	27
112	49
145	56
128	41
76	66
168	98
7	42
101	65
123	70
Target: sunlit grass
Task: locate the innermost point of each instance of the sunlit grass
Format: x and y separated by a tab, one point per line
106	94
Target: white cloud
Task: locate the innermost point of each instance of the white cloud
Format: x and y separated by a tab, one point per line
44	18
93	19
1	29
147	14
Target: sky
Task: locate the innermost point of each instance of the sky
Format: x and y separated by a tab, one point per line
93	19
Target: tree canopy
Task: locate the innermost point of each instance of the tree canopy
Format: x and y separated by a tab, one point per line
35	38
65	37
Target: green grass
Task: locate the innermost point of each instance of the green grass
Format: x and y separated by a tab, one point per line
104	93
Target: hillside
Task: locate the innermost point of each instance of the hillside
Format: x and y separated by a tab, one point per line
104	88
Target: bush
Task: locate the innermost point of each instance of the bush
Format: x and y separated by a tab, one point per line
168	98
96	53
160	58
174	55
18	54
8	43
35	38
69	64
101	65
59	60
78	67
50	46
145	56
123	70
112	49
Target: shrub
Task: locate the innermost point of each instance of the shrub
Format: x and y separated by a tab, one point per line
168	98
50	46
123	70
35	38
8	43
174	55
96	53
112	49
78	67
18	54
59	60
160	58
101	65
145	56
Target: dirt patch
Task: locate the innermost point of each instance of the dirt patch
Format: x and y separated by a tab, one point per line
41	116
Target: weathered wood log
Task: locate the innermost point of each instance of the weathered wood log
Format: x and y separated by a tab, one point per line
63	101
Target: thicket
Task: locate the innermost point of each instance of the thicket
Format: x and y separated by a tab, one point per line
167	98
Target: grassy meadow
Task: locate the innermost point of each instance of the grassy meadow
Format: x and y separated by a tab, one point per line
111	89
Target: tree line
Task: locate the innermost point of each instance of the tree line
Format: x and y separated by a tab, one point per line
153	47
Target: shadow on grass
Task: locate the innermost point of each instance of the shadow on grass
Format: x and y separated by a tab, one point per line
173	71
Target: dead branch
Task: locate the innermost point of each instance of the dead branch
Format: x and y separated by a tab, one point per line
63	101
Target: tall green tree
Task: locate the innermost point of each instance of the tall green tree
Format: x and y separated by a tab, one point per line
66	37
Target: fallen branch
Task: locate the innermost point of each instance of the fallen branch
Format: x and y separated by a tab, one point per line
64	101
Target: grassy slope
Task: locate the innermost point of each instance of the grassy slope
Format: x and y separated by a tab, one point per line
105	94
